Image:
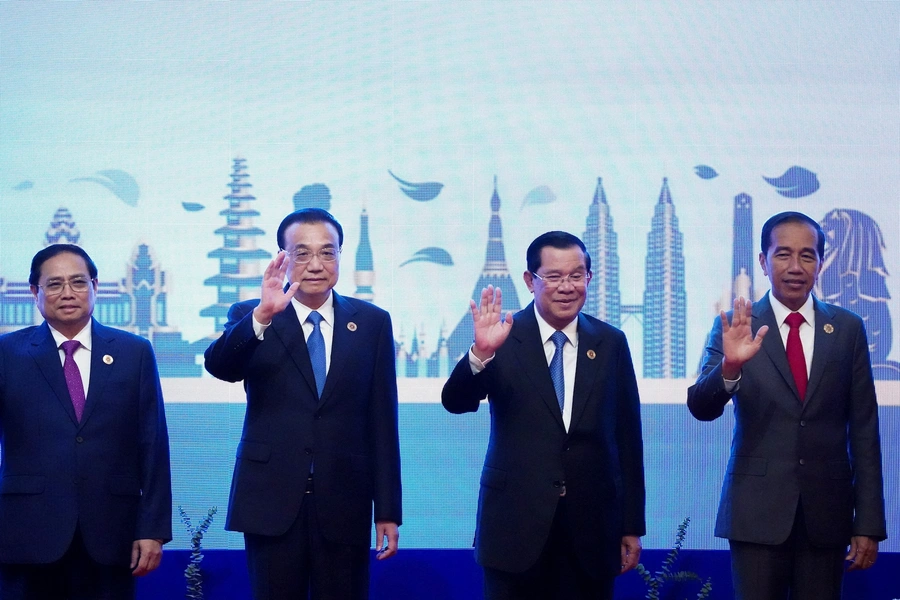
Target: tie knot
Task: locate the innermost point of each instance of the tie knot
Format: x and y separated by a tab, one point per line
795	320
559	339
70	346
315	318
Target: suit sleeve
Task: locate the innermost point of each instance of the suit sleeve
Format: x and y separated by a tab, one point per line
629	439
228	357
706	399
865	446
464	391
383	423
155	514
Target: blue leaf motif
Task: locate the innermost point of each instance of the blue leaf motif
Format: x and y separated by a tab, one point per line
192	206
420	192
795	183
25	185
432	254
539	195
705	172
118	182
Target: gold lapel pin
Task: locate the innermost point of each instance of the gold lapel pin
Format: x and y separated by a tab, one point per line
351	326
828	328
591	354
107	359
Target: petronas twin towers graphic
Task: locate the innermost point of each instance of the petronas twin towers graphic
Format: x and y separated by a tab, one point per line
663	312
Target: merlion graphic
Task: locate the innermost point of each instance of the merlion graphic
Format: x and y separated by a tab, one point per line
854	276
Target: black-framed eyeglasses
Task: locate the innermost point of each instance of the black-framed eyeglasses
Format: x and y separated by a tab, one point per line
578	278
79	285
326	255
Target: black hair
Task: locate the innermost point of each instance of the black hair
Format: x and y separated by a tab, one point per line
309	215
50	251
555	239
790	216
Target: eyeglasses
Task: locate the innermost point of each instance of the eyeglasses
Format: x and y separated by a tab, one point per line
326	255
577	279
77	285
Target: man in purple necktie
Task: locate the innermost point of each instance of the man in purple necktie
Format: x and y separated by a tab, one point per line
85	485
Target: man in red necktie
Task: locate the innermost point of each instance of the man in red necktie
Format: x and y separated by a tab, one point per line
804	478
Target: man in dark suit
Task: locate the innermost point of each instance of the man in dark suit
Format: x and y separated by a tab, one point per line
561	506
804	477
316	450
85	488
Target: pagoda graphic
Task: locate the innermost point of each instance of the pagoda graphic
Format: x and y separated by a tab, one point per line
665	304
603	298
239	277
495	273
62	229
364	275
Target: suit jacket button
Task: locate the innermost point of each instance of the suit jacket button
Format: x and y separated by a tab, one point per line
802	462
802	423
307	451
79	439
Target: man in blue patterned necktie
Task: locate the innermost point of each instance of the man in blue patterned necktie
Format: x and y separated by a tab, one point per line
561	508
320	442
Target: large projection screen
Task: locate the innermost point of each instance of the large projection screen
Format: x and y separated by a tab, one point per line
170	138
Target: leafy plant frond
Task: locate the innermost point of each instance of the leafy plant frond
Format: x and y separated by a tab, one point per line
667	573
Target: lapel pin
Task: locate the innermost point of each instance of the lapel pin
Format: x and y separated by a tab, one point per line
828	328
107	359
351	326
591	354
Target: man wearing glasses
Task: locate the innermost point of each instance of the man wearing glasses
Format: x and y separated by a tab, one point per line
85	487
320	442
561	506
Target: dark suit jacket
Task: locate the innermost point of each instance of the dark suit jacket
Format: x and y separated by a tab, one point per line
108	474
530	454
351	433
823	452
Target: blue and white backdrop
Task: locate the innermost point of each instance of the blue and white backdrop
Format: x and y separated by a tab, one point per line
169	139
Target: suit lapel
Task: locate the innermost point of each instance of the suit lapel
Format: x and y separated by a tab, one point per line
586	372
341	340
288	329
772	344
823	345
46	355
102	344
530	353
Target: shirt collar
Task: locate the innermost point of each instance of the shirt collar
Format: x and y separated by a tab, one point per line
326	310
83	336
781	311
571	330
